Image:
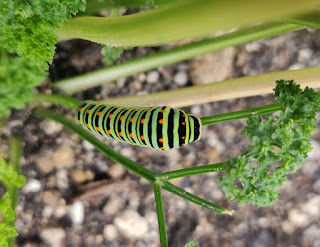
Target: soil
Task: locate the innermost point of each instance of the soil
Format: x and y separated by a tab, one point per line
75	196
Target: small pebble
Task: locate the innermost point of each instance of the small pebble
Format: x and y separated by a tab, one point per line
76	213
62	178
153	77
181	78
110	232
53	236
33	186
131	224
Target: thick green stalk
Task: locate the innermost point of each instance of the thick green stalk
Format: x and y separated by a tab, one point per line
223	90
104	148
174	55
194	19
160	214
15	154
193	171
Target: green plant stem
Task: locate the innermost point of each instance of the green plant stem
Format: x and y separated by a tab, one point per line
230	116
105	149
160	214
174	55
223	90
193	171
56	99
15	154
192	198
169	24
310	20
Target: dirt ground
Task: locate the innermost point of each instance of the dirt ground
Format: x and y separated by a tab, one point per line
75	196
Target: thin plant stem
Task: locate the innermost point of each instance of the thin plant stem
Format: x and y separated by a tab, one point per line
104	148
160	214
55	99
15	154
230	116
170	24
193	171
174	55
192	198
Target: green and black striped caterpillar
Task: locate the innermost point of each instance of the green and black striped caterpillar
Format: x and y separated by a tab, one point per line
157	127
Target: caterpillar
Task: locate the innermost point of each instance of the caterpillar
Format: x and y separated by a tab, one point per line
157	127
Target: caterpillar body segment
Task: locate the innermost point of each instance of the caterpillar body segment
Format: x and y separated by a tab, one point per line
157	127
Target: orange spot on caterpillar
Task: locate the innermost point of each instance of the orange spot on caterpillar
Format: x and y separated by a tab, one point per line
99	113
120	133
142	137
121	118
183	137
163	111
79	122
119	107
183	123
131	119
98	129
162	148
88	125
88	111
131	135
149	109
161	121
183	144
109	131
183	115
110	115
80	109
142	121
161	140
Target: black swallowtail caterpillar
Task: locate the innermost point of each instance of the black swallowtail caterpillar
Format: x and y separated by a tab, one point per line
157	127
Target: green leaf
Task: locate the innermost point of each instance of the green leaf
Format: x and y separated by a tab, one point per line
192	244
26	26
18	77
9	177
283	140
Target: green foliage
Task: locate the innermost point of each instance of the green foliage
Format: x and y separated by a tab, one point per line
192	244
18	77
26	26
279	145
9	177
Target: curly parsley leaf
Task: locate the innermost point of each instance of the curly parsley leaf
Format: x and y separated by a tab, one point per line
9	177
18	77
283	141
192	244
26	26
